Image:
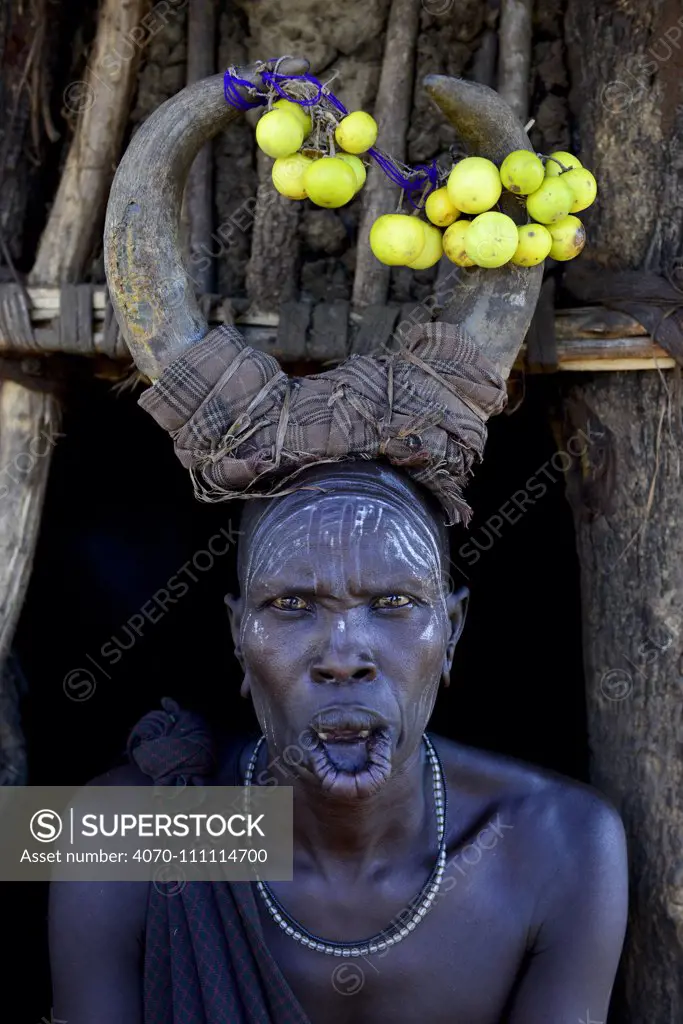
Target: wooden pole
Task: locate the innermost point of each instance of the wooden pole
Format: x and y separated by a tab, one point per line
626	488
29	419
28	433
102	102
273	267
272	274
13	759
21	37
514	55
392	113
21	50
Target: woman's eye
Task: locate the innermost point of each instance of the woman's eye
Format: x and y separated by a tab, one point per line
290	604
393	601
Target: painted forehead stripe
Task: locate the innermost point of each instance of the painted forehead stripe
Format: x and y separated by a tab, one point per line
326	513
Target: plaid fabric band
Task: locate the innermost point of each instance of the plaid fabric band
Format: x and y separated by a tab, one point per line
245	429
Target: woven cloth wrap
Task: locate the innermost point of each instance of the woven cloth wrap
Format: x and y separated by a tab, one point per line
205	958
244	428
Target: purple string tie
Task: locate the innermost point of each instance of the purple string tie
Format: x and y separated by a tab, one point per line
233	97
423	174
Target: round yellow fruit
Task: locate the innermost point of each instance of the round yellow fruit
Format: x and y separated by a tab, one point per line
295	108
357	166
279	133
569	238
454	243
288	175
491	239
551	202
583	185
534	245
552	165
397	239
357	132
439	208
330	182
433	249
522	172
474	185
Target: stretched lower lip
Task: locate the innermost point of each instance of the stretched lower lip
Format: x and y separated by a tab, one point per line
351	767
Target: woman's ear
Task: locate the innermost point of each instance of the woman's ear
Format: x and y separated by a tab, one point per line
456	603
235	606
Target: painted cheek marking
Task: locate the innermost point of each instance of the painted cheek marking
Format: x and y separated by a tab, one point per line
258	630
428	634
244	626
265	718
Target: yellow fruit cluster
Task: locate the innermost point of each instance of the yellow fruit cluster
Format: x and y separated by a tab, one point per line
461	220
328	181
553	193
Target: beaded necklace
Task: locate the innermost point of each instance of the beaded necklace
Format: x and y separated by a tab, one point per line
395	932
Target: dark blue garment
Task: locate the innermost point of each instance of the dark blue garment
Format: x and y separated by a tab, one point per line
206	961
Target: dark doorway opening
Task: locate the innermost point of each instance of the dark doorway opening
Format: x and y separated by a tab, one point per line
120	522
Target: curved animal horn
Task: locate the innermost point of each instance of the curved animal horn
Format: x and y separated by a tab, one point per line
151	293
494	306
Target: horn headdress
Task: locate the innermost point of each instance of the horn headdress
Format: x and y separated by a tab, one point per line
243	427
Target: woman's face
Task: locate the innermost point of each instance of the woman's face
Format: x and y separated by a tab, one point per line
345	629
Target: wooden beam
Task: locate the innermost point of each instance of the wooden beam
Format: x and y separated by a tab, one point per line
588	339
590	365
584	354
596	322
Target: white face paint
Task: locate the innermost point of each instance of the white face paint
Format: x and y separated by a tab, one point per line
428	633
344	539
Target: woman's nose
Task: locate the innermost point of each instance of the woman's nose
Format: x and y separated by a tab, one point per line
335	667
343	657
